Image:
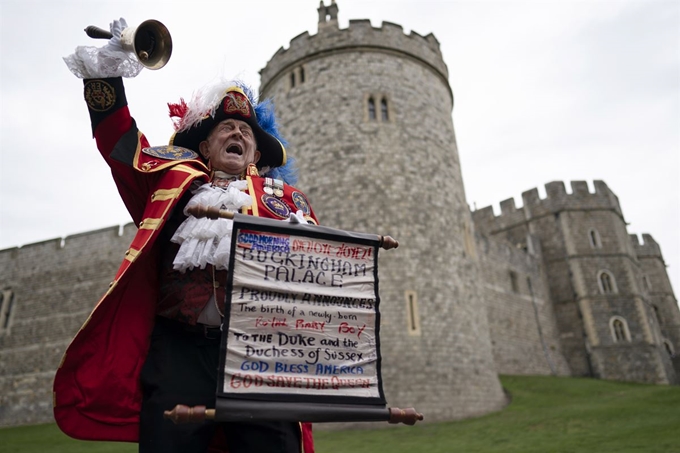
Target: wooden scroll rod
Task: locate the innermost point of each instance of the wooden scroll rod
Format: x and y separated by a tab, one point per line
320	413
200	211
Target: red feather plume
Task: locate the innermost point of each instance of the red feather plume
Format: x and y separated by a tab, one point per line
178	112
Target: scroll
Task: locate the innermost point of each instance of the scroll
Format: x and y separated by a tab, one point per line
301	334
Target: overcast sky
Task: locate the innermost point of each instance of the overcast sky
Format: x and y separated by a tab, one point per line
544	91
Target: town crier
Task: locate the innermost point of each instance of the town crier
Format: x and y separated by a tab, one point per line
153	339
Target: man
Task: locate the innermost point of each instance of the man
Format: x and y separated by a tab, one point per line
153	340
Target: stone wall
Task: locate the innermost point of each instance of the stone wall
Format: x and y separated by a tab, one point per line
55	285
522	322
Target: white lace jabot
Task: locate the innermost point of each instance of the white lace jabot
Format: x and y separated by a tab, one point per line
206	241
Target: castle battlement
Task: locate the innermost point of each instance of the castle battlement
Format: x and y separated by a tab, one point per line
557	199
359	35
40	257
648	248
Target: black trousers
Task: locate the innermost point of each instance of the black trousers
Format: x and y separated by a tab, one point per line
181	368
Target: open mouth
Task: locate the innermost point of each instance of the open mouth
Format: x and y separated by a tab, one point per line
235	148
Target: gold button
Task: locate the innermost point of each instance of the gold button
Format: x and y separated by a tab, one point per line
127	252
141	224
153	196
111	284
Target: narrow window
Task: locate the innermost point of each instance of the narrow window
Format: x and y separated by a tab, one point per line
292	80
669	349
412	313
513	282
302	74
645	283
6	306
383	110
594	237
607	283
619	332
619	329
658	315
371	109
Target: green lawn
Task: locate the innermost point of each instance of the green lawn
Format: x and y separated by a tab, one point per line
547	414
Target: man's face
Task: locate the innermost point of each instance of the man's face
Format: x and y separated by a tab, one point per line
230	147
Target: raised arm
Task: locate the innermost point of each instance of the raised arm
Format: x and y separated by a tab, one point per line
118	139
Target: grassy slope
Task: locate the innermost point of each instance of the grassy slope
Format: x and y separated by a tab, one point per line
547	414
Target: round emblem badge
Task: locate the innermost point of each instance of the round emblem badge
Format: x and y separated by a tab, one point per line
301	203
170	152
275	206
99	95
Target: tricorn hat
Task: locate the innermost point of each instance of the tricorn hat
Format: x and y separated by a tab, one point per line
195	120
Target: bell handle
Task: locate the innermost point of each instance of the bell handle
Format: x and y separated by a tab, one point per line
97	32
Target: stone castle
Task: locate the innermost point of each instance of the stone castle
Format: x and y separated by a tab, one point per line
556	286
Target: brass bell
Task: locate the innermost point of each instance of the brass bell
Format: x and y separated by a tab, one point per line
150	41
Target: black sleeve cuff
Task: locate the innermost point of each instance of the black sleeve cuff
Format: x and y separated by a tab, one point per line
103	97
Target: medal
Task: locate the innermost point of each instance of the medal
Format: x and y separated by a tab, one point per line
301	203
275	206
278	188
268	189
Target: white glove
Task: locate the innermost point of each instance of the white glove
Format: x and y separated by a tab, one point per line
107	61
116	28
297	218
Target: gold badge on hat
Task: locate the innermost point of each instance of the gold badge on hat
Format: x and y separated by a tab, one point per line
237	103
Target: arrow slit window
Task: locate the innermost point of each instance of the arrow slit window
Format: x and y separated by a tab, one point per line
412	315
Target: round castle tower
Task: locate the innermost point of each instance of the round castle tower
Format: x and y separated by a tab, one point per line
367	112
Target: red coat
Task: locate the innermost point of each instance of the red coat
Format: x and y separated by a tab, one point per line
97	393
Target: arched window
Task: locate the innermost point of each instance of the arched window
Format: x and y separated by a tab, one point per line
302	74
607	283
595	241
619	329
292	79
669	348
646	284
383	110
371	109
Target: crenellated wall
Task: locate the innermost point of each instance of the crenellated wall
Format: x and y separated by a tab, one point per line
584	240
360	36
657	290
557	200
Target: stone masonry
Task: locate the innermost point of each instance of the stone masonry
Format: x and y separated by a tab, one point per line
616	313
54	286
